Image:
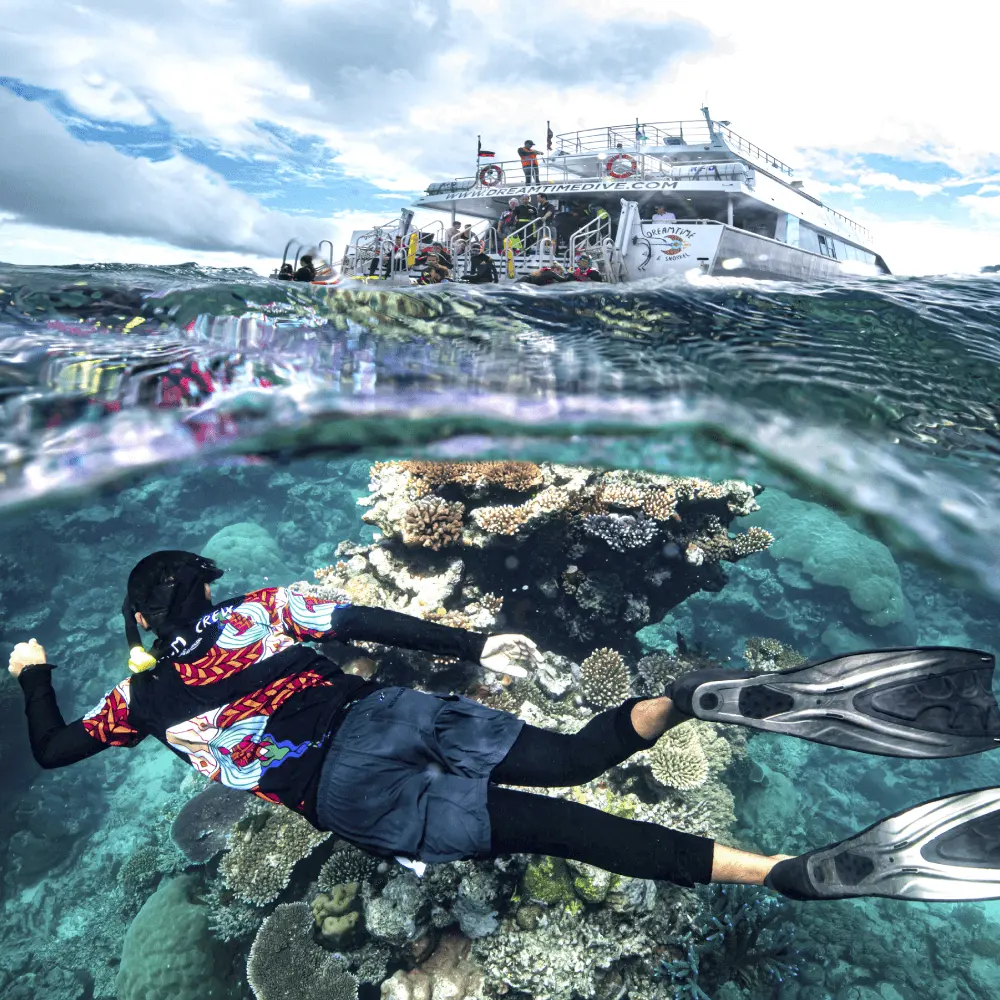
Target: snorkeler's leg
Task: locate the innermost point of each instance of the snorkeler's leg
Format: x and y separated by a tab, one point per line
541	757
537	824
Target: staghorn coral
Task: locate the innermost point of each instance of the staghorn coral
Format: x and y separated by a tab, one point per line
621	531
286	964
769	654
604	678
347	864
433	523
741	936
139	876
678	760
264	848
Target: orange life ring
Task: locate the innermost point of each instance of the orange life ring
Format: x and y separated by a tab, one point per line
612	163
491	175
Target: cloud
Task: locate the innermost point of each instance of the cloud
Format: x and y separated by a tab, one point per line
52	179
890	182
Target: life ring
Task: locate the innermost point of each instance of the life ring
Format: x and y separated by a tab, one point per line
612	164
491	175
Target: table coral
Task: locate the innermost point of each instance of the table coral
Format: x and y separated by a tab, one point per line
286	964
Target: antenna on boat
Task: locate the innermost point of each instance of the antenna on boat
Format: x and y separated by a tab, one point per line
708	119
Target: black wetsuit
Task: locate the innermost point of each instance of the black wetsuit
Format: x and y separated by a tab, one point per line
238	696
484	271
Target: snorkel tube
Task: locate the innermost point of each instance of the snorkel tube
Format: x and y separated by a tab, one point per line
167	588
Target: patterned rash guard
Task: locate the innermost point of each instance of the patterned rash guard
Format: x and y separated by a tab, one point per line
237	695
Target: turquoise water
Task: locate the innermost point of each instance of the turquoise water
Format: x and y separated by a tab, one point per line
868	412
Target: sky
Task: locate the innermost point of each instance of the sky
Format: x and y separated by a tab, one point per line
217	130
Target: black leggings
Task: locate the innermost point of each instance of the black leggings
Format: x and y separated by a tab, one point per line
538	824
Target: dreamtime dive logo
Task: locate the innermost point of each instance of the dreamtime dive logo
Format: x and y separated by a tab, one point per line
675	244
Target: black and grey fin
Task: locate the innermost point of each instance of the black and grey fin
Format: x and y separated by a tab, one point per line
934	701
945	850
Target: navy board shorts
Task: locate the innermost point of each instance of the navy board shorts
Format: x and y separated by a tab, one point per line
406	774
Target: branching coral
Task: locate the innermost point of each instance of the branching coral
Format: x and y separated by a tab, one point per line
743	936
264	849
347	864
678	760
658	671
621	531
286	964
433	523
604	678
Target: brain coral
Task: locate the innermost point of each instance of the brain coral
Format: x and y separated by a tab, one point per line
832	552
248	554
169	952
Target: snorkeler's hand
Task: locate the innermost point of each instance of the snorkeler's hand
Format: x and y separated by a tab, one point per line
25	654
510	654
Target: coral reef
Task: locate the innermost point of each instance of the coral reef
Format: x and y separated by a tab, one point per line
139	876
286	964
264	848
744	936
604	678
769	654
657	671
829	551
449	974
453	533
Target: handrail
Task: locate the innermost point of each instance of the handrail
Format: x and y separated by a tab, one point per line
319	248
589	236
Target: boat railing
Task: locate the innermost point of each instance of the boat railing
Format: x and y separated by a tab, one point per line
636	137
590	238
616	164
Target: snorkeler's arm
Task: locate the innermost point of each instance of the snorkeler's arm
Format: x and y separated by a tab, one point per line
53	742
304	617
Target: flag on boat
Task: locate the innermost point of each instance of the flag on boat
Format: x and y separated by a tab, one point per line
549	136
483	152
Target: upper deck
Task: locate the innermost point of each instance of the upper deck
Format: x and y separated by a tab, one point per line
675	158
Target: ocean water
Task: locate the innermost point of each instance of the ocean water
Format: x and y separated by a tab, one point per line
868	412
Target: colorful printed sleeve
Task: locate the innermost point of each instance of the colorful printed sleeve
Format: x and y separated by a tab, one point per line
303	617
108	721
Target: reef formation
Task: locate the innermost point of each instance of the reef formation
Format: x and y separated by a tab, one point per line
580	559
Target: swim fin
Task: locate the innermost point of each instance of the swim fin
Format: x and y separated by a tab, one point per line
946	849
934	701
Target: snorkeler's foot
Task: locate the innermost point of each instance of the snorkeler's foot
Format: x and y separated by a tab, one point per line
916	702
947	849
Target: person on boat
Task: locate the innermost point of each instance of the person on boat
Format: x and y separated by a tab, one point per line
482	270
306	270
660	214
525	214
451	232
461	243
231	689
583	270
550	274
286	272
545	211
529	161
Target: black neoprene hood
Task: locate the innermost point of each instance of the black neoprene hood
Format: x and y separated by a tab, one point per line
167	588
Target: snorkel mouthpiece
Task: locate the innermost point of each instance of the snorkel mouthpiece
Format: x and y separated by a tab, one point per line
139	660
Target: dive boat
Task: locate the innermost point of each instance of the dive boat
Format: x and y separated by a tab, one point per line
727	208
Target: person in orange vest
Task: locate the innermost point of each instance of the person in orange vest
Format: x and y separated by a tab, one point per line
529	161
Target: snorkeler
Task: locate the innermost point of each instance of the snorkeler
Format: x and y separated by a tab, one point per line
230	688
